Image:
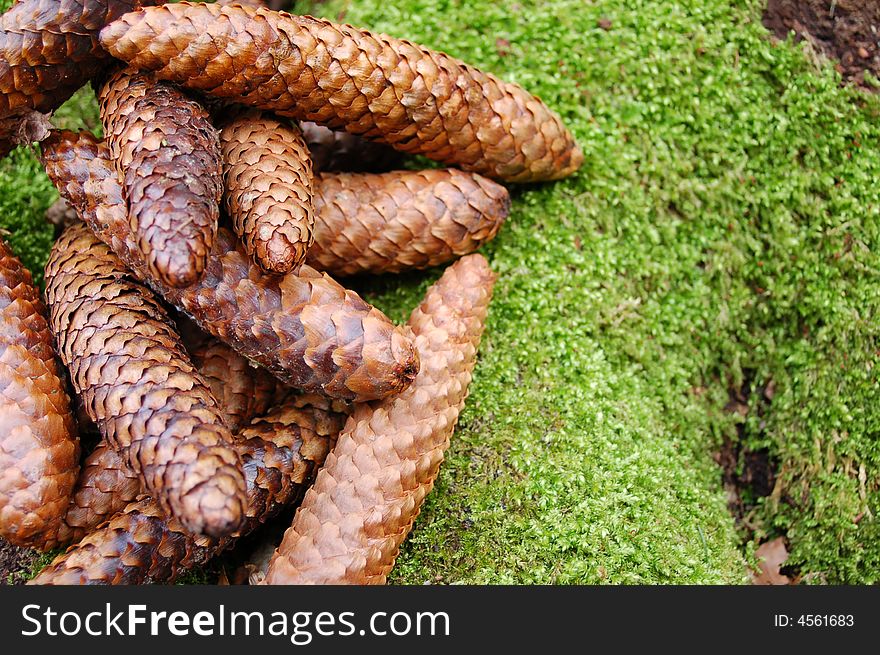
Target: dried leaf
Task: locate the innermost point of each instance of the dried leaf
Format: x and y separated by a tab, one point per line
773	554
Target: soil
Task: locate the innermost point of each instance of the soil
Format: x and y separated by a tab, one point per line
847	31
750	475
15	563
747	475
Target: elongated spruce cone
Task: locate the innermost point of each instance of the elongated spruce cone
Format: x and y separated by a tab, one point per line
244	391
256	4
39	449
336	151
281	453
167	154
106	484
391	90
22	129
49	49
305	328
393	222
268	175
365	499
139	387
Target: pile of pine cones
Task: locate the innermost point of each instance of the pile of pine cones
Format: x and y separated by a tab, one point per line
268	383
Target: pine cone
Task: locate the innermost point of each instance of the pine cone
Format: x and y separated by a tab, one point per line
22	129
137	384
365	499
105	486
243	390
244	3
39	450
305	328
168	157
280	453
49	49
268	176
386	89
393	222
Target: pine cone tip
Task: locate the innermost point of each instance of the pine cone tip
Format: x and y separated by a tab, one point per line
404	351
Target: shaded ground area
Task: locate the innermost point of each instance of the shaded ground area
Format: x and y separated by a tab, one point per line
748	476
16	564
845	30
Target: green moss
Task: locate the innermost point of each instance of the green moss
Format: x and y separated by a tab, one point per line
725	222
25	194
41	561
723	226
80	112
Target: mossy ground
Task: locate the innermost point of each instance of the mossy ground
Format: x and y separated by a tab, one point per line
724	225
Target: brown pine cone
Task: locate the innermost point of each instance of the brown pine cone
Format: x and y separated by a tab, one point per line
105	486
353	520
404	220
39	449
280	453
244	3
305	328
23	128
137	384
243	390
271	4
333	150
268	175
416	100
48	49
168	157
